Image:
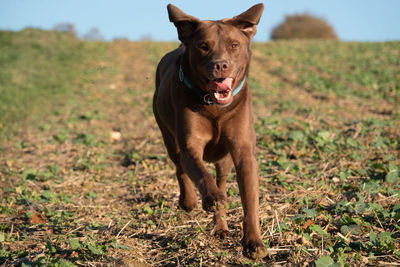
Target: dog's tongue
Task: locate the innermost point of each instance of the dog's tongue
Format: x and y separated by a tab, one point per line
223	85
221	90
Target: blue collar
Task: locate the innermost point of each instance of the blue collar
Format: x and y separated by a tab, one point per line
204	95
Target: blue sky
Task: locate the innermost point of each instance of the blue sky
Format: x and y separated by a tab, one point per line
353	20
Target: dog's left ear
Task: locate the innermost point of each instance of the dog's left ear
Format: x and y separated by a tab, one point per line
248	20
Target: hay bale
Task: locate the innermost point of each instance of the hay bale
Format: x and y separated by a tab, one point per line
303	26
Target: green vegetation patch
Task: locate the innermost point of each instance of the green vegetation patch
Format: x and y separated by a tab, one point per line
40	71
366	70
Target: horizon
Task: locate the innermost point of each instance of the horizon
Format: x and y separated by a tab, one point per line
149	39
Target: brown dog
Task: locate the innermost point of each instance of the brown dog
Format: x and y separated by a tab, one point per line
202	105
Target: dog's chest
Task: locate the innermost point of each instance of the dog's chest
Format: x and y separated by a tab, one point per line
214	152
217	147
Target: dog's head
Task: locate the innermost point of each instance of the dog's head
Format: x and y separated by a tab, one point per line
217	52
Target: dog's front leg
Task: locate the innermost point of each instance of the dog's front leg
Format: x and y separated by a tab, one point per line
246	171
191	161
223	168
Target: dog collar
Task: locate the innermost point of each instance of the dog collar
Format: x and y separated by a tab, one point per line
204	95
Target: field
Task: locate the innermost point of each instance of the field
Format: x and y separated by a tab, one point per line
85	179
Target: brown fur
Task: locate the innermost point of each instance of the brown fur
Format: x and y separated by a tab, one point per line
195	132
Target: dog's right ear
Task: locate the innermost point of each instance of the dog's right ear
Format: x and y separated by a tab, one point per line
185	24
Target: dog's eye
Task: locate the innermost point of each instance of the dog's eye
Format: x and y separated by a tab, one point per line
203	46
235	45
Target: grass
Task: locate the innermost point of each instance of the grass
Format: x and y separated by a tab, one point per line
341	69
90	183
35	67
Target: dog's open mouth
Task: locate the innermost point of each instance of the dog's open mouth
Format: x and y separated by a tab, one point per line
221	90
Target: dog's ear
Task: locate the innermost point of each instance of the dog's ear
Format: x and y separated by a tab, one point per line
185	24
248	20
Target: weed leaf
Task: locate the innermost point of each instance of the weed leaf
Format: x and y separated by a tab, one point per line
372	238
310	212
296	135
65	263
393	175
352	228
52	249
316	228
75	244
325	261
94	250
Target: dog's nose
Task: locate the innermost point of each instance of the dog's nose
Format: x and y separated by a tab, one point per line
221	66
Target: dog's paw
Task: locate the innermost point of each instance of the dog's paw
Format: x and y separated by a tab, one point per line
221	229
213	202
221	233
187	203
209	203
254	249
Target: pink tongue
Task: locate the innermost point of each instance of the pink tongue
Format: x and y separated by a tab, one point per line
219	86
